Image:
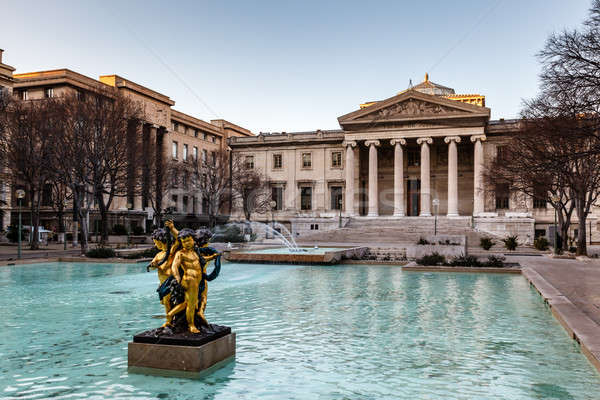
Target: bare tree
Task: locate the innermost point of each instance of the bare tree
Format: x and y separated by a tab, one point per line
30	128
250	187
210	178
104	132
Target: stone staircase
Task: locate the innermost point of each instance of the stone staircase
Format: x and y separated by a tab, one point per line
387	233
362	230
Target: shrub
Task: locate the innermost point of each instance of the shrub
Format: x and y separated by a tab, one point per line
432	259
486	243
541	243
495	262
572	249
137	230
465	261
119	229
147	253
510	242
422	241
12	234
101	252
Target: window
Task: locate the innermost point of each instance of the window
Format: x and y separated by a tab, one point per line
24	95
195	132
213	139
174	179
174	150
501	153
336	197
174	201
336	159
184	206
414	158
249	162
277	197
306	198
213	156
502	194
193	205
204	136
185	152
540	198
175	126
195	154
277	161
80	95
204	155
205	205
306	160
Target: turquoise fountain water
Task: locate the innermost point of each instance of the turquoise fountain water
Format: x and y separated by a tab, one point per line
353	332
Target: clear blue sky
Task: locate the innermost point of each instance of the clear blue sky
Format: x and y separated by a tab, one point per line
291	65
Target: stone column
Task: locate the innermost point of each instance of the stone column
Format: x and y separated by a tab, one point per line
350	145
452	175
478	193
373	190
398	176
425	177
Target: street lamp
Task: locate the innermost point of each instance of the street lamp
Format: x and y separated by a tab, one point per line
273	205
64	227
555	199
20	196
436	203
129	205
340	208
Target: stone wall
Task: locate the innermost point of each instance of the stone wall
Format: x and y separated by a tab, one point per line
520	224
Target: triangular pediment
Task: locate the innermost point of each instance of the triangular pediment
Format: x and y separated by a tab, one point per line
413	106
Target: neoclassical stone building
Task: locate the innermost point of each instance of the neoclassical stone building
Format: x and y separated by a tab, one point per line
417	154
181	137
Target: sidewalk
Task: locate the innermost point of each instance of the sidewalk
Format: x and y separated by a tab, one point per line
50	251
576	280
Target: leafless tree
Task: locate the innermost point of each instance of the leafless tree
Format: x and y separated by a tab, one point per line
210	179
104	143
26	147
250	187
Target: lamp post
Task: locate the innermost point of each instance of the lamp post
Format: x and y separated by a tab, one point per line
64	226
128	226
555	199
273	205
340	209
20	196
436	203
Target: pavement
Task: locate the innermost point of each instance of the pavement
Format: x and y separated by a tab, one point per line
578	281
9	252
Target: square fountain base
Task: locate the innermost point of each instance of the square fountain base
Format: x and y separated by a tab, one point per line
180	355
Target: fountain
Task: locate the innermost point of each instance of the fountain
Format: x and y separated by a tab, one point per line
289	251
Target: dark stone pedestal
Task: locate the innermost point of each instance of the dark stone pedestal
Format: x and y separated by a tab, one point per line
161	350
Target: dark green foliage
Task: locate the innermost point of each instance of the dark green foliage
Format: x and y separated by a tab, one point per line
137	230
119	229
486	243
432	259
510	242
495	262
148	253
13	236
228	233
422	241
465	261
541	243
101	252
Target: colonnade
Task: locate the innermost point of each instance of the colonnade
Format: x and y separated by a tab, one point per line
425	165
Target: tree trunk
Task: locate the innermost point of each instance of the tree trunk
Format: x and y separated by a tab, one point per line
581	231
103	219
35	221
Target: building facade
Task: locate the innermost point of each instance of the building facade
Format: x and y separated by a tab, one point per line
6	86
419	154
180	136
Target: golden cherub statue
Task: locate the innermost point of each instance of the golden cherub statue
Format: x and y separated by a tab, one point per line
182	274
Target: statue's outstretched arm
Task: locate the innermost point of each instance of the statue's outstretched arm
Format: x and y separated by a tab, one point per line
169	224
